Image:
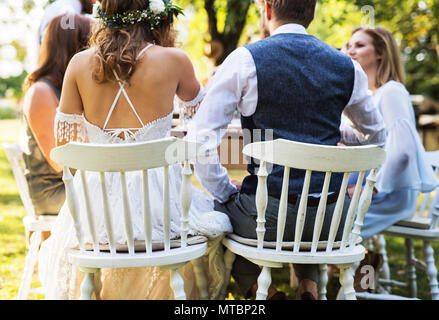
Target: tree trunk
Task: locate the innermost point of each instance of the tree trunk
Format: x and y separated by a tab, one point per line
234	25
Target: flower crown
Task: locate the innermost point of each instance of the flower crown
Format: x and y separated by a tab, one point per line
160	13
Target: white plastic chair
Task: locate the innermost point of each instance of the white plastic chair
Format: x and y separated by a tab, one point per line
32	223
122	158
311	158
423	226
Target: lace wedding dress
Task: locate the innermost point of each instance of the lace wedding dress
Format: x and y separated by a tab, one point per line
61	280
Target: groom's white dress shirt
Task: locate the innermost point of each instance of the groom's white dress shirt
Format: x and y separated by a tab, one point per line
235	86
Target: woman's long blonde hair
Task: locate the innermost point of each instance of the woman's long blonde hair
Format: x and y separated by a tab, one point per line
390	66
117	48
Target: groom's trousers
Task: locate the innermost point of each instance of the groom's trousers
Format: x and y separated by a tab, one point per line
241	209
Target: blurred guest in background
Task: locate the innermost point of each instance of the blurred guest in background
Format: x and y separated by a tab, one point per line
405	172
58	7
42	93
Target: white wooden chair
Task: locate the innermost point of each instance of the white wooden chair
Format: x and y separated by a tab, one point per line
122	158
311	158
423	226
32	223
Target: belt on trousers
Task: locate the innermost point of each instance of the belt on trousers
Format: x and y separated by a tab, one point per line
312	201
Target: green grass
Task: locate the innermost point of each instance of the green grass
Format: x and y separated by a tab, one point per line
13	248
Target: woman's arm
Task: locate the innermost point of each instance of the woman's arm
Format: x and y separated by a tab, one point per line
68	121
39	108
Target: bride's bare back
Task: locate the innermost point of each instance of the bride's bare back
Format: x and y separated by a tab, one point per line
161	73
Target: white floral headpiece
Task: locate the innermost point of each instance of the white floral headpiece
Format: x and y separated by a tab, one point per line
159	14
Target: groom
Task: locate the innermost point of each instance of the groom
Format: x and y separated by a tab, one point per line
296	87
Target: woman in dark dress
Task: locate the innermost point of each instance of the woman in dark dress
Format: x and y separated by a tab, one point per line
42	93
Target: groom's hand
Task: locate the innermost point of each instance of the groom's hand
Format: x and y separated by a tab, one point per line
237	184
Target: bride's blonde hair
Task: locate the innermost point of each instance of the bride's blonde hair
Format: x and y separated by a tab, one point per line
117	48
390	66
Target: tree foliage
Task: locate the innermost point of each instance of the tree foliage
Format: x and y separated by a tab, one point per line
212	29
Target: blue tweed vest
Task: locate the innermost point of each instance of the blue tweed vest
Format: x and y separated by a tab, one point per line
303	87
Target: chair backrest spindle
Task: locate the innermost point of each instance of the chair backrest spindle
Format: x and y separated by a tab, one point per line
352	211
127	214
89	211
283	207
186	199
321	210
107	214
363	206
261	203
337	214
301	214
73	205
166	212
146	213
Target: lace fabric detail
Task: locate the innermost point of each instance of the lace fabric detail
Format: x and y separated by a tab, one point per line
156	129
69	127
197	100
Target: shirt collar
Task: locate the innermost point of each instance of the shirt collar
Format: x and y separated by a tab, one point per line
290	28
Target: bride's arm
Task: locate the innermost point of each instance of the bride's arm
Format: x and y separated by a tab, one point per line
69	125
189	90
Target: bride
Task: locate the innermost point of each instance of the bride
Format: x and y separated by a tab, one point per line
121	90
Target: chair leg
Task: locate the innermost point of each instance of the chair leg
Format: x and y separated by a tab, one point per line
264	282
384	272
323	281
347	281
30	261
431	270
87	285
411	269
177	285
200	278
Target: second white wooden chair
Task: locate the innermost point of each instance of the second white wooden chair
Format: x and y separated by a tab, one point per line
122	158
311	158
32	223
423	226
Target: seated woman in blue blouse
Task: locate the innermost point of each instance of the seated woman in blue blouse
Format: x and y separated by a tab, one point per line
405	172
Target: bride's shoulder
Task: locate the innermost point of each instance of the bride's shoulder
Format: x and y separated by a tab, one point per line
171	54
82	60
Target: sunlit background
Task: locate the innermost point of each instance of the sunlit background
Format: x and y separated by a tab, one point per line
414	23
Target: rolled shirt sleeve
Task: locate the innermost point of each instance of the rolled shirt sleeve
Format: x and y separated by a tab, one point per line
362	122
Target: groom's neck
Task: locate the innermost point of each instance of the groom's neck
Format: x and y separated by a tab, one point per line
274	24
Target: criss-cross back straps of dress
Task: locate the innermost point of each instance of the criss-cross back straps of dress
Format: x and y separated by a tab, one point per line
126	131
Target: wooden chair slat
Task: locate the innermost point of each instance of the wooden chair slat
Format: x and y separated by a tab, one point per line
186	199
72	202
146	213
166	213
107	214
283	207
89	212
352	211
338	212
363	206
127	214
301	214
321	210
261	202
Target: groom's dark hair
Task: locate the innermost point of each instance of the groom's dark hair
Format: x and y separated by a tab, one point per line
297	11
